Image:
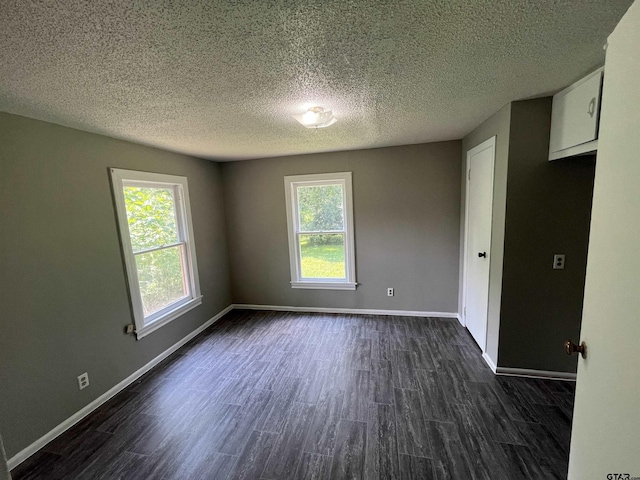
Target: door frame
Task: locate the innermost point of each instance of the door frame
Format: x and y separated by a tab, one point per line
489	143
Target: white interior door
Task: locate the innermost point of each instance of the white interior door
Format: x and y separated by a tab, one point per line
605	440
480	162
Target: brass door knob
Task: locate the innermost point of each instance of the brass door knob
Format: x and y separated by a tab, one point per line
570	348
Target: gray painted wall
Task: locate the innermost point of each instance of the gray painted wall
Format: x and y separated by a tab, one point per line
407	214
539	208
4	468
499	125
62	281
548	211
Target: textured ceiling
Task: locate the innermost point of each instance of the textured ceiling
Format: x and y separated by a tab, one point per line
222	79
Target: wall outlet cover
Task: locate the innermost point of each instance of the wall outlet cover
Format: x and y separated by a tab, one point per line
558	261
83	380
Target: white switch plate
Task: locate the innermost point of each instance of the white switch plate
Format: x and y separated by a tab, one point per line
83	380
389	292
558	261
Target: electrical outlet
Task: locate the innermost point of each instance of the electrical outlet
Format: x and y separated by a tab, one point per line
390	292
83	380
558	261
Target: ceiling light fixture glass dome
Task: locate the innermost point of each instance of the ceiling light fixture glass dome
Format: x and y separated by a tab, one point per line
316	117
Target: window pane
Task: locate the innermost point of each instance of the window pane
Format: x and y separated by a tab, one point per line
320	208
160	278
151	214
322	256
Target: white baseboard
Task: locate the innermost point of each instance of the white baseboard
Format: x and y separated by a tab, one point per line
544	374
22	455
528	373
459	317
357	311
487	359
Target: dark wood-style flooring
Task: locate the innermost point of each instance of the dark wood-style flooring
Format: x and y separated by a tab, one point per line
274	395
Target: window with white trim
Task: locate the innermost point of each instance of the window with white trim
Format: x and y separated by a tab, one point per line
154	217
320	224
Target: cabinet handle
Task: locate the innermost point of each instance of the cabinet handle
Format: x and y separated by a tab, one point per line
592	107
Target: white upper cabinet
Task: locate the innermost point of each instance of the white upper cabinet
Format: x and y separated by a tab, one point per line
574	118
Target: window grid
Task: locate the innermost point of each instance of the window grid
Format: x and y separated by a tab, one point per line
191	296
292	186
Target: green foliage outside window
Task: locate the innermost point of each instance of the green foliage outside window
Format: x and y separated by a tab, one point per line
320	209
152	223
151	217
322	260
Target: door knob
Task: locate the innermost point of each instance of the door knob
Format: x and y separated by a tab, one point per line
570	348
482	254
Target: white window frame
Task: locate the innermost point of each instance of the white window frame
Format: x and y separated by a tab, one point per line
121	178
291	183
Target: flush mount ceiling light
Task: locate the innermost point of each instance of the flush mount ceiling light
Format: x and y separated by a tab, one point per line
316	117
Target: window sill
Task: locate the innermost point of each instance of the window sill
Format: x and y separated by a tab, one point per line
325	285
168	317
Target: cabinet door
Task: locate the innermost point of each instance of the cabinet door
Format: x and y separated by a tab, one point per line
574	117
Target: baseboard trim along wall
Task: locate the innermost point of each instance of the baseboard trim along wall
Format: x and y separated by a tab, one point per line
24	454
487	359
544	374
21	456
528	373
357	311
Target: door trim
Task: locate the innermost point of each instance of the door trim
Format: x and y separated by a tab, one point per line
489	143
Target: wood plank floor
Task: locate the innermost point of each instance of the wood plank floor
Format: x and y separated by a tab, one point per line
273	395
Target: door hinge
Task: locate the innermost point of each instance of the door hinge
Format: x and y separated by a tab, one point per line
465	311
469	175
